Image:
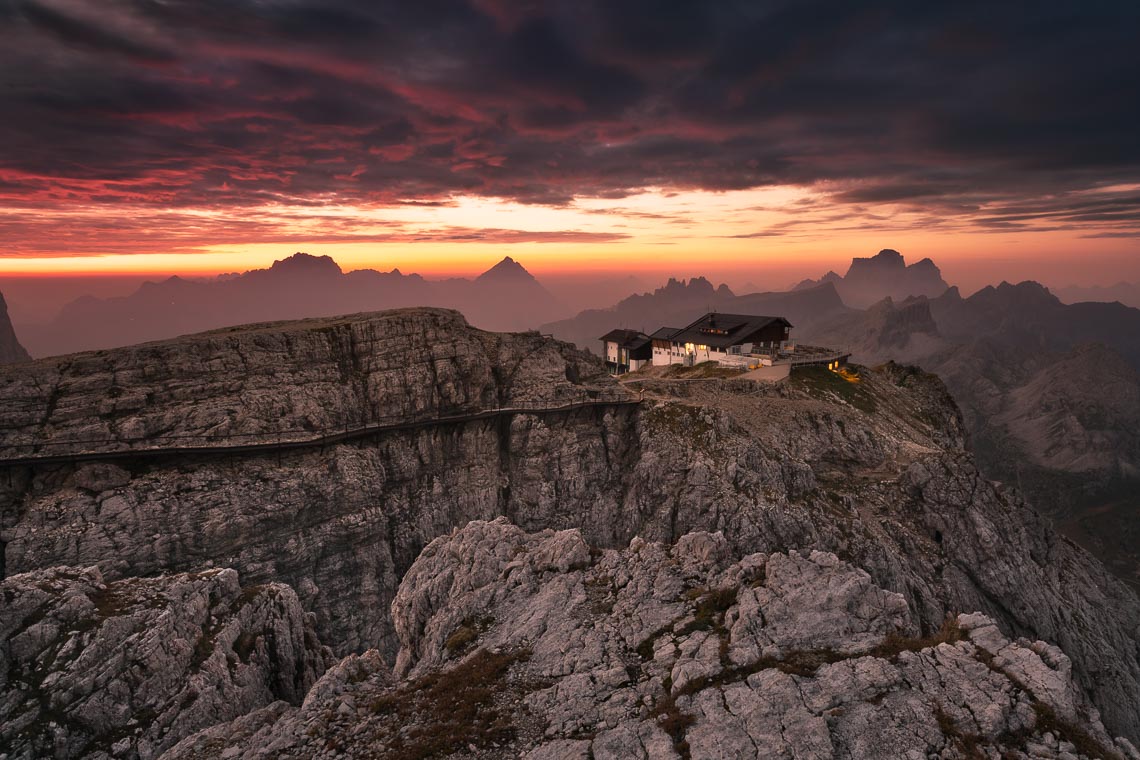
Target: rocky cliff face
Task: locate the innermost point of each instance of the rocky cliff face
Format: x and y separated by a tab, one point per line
537	646
282	381
10	349
127	668
874	471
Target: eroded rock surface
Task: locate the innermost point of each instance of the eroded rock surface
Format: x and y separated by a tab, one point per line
128	668
531	645
281	381
875	471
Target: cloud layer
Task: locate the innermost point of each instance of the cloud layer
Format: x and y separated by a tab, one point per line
1006	115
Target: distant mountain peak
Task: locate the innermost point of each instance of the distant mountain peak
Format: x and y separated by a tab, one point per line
507	270
1025	293
305	263
886	273
693	286
886	260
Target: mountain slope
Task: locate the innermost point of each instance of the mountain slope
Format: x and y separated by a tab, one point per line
875	472
127	668
1028	316
10	349
537	646
1057	417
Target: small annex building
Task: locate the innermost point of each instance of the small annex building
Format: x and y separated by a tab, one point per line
724	338
626	350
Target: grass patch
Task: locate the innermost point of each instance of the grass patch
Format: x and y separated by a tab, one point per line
108	602
968	745
468	632
1086	744
1048	720
598	594
682	421
446	711
645	648
710	609
895	644
822	383
675	722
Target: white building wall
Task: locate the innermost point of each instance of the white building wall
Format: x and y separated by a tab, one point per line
611	351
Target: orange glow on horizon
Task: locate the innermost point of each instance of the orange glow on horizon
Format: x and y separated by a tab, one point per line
682	233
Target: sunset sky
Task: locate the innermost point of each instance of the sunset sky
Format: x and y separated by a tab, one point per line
588	135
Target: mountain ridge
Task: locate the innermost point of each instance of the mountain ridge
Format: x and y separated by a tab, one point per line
885	275
505	297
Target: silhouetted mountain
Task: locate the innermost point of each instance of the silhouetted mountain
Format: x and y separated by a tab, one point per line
303	265
884	275
679	302
10	349
645	311
507	270
832	276
505	297
1027	315
1127	293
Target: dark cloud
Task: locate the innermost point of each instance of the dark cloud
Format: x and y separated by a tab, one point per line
87	34
965	110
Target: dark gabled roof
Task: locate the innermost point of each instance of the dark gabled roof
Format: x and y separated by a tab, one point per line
630	339
665	333
637	344
724	330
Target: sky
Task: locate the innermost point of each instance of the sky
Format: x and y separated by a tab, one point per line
611	136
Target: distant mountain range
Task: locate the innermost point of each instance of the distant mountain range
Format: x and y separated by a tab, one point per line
679	302
884	275
505	297
10	349
1127	293
1049	392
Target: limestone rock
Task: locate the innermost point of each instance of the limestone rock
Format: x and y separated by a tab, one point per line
669	652
875	472
128	668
